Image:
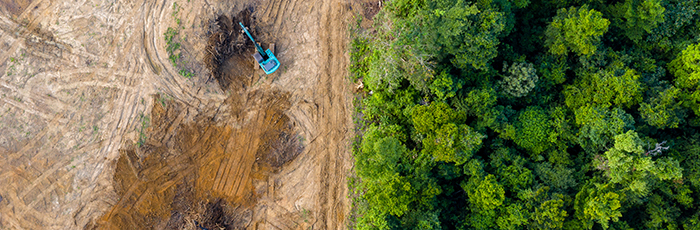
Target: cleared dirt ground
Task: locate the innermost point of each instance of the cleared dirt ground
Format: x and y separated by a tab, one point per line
98	129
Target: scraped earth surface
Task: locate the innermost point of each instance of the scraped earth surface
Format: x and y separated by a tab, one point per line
100	130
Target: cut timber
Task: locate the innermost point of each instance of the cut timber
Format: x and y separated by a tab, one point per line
257	65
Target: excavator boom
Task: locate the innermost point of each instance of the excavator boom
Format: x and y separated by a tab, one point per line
260	49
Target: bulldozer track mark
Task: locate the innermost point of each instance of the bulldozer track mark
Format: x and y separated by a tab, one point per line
156	69
280	14
10	211
95	84
83	71
122	28
45	99
333	209
237	168
29	8
292	9
29	102
26	108
47	190
34	142
224	170
46	177
26	211
30	27
172	126
148	175
270	7
172	81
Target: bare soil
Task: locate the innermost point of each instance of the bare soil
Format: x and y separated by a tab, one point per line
99	129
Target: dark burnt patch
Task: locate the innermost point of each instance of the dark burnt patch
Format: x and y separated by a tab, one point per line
229	51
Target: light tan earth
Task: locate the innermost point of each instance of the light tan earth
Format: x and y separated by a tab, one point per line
83	82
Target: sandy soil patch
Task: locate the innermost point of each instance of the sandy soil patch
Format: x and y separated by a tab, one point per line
100	127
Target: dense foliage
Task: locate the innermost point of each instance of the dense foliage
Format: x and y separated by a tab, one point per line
529	114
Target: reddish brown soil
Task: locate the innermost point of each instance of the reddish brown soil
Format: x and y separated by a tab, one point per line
184	166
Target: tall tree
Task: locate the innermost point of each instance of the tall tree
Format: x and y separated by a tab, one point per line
479	104
550	215
664	110
577	30
638	17
520	79
677	29
628	165
598	126
614	85
686	69
599	204
532	130
512	217
444	138
461	32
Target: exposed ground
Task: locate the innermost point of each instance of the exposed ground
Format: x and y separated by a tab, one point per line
106	123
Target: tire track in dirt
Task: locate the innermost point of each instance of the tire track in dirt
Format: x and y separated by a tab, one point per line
171	83
311	191
30	27
279	16
127	107
26	108
54	176
150	16
46	178
332	92
132	86
112	47
53	184
55	121
197	158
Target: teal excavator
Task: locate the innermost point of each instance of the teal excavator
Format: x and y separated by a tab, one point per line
266	59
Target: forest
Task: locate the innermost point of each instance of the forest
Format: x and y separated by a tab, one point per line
528	114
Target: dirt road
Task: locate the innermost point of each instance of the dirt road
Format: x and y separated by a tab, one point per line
78	84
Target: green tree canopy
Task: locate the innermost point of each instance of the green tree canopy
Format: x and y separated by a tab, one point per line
558	177
686	69
463	32
452	143
520	79
577	30
512	217
445	86
479	104
598	126
445	140
664	110
485	193
677	29
532	130
550	215
615	85
627	164
429	118
597	203
638	17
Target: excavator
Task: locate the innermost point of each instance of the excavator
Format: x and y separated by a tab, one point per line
266	59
